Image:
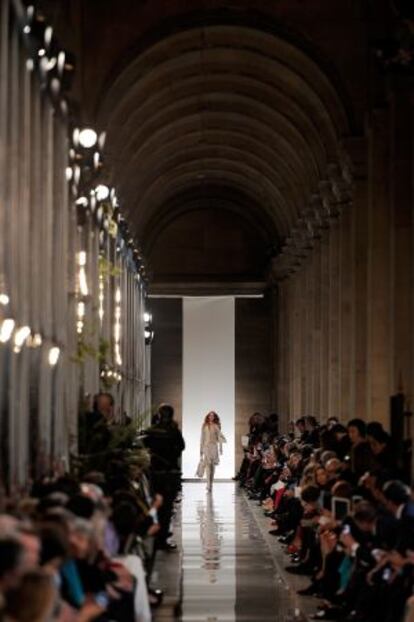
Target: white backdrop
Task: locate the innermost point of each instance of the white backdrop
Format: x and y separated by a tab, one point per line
208	376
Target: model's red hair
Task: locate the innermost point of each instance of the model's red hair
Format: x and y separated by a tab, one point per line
216	418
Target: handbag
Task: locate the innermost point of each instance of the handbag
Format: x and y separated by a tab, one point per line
201	468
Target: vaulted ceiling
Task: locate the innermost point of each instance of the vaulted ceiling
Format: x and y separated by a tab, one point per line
223	109
222	106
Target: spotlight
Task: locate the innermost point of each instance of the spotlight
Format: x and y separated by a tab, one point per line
6	329
53	356
102	192
147	317
4	300
87	138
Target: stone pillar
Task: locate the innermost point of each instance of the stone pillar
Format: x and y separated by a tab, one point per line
379	270
334	322
402	243
324	319
347	396
317	342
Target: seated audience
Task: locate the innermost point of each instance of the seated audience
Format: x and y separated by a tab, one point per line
346	521
82	547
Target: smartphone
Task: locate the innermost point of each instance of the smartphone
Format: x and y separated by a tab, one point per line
340	508
102	599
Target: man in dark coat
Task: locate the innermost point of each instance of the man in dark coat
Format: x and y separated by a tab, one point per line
166	444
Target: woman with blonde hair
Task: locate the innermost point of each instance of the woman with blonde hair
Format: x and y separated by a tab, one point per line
211	445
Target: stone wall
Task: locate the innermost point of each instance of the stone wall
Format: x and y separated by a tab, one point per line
345	341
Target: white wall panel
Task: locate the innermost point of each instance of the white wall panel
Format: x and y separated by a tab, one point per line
208	376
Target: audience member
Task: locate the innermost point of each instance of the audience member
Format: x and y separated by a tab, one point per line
346	521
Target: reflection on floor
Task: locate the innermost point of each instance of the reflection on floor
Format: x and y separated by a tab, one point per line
229	573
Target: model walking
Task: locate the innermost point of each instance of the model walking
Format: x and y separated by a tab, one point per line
211	445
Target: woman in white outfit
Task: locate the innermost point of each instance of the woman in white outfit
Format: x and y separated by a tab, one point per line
211	445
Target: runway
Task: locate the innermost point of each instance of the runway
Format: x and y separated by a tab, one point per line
229	573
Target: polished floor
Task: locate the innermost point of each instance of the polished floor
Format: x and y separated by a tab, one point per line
229	573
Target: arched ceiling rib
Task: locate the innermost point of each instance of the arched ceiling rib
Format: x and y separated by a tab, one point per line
226	106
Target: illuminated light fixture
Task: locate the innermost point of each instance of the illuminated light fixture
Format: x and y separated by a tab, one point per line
72	154
81	309
83	201
69	173
29	64
101	298
47	64
34	340
41	52
102	192
75	136
4	300
80	312
83	285
147	317
117	327
27	30
97	159
61	62
6	329
101	140
76	173
20	337
30	11
53	356
87	138
48	36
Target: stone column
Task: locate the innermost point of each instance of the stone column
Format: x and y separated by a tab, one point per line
346	319
317	342
324	319
379	270
334	321
402	244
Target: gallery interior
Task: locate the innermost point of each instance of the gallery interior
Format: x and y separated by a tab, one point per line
206	228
